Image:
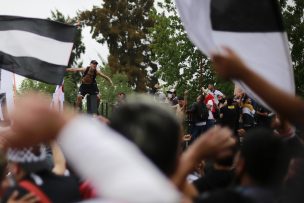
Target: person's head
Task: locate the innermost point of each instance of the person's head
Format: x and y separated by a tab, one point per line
181	101
225	158
200	98
93	64
211	87
152	127
262	159
246	99
171	93
27	160
230	101
121	97
221	99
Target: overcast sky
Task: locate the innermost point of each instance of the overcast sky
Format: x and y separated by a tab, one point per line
43	8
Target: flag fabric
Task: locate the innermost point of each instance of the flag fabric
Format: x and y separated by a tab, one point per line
58	98
253	29
7	88
35	48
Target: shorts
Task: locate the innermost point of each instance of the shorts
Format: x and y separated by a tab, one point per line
90	89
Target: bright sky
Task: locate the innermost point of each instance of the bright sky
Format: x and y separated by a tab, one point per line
43	8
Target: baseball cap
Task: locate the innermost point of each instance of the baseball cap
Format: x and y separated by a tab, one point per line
171	91
94	62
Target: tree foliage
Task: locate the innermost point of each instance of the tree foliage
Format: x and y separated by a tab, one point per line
123	25
120	84
293	13
33	85
180	63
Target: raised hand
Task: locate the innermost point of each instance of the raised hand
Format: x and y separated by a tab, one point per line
209	144
33	120
228	65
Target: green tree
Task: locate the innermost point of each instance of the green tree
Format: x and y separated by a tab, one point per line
123	25
293	13
71	80
33	85
108	93
120	84
180	63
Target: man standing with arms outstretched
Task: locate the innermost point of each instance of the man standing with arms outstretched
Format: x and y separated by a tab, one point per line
88	81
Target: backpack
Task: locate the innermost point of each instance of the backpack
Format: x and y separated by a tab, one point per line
88	76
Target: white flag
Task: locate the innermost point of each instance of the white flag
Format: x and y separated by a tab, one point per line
253	29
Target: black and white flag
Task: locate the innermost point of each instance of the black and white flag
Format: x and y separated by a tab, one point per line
252	28
35	48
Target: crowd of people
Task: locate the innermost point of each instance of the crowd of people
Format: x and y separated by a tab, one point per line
238	151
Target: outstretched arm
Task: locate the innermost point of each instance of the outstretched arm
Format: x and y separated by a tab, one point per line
105	77
75	70
208	145
231	66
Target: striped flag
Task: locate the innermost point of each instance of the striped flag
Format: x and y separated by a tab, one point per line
35	48
252	28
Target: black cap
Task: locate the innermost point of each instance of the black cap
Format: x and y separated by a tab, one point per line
94	62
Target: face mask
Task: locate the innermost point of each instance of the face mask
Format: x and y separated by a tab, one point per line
169	96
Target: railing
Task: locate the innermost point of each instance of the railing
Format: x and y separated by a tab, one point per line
105	108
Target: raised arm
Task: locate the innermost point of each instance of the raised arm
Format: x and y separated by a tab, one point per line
231	66
75	70
105	77
58	158
208	145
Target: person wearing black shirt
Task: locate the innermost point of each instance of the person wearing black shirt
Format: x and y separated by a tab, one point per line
229	115
88	81
30	173
220	175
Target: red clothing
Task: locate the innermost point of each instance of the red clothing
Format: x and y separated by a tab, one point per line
211	97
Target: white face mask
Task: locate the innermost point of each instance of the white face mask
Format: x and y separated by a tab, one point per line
169	95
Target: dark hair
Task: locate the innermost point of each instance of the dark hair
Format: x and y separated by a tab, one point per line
180	98
94	62
154	130
223	195
266	159
230	101
244	99
228	160
202	97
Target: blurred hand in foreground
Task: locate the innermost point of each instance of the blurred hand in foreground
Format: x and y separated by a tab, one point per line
228	65
33	121
210	143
